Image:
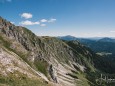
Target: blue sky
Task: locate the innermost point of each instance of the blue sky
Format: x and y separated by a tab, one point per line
80	18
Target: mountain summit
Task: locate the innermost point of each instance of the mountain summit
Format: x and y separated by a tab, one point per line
106	39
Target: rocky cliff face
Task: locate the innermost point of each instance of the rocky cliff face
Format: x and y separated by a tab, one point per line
48	59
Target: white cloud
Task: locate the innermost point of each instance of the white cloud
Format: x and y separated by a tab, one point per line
43	20
43	25
26	15
52	20
112	31
27	22
12	22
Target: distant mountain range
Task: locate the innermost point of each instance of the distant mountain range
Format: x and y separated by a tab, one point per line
104	39
98	44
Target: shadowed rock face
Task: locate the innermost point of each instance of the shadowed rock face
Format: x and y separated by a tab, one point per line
51	58
53	74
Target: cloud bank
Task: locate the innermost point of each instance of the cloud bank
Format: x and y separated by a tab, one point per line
27	22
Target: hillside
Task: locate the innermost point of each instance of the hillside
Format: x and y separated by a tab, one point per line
96	44
104	47
43	61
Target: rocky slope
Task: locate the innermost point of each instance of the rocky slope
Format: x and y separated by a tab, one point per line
42	61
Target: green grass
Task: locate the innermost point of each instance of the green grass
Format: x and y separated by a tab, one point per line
20	80
4	42
80	78
41	66
83	81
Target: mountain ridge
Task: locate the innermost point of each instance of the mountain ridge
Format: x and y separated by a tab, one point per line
70	38
105	44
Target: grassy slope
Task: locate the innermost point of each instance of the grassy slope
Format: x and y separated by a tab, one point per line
17	78
21	80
